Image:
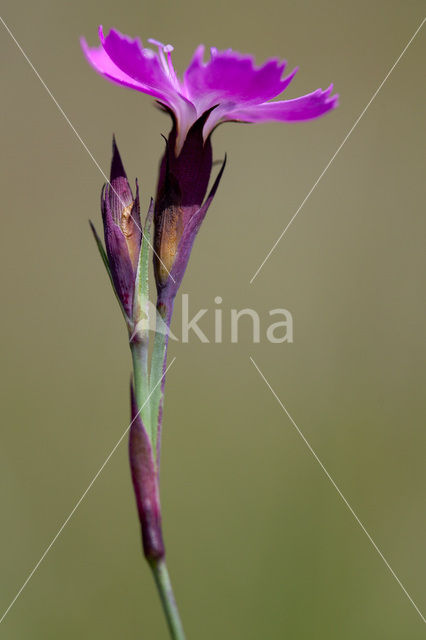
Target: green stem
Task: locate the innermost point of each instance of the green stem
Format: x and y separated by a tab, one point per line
149	396
164	586
150	418
139	351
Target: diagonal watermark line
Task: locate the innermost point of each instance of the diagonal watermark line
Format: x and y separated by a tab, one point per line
78	503
327	166
338	490
80	139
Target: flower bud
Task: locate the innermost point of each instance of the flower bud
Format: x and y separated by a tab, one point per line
122	230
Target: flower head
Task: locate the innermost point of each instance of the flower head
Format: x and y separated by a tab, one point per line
229	85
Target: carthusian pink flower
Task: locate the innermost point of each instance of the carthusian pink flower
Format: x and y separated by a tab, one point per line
228	87
229	84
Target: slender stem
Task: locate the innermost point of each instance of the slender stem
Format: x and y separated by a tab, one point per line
139	351
164	586
147	387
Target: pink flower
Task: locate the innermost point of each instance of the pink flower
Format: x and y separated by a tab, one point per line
229	84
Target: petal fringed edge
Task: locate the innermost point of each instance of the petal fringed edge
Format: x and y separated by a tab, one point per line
230	76
102	63
312	105
141	64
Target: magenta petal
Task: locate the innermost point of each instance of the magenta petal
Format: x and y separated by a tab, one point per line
126	62
102	63
140	64
306	107
232	77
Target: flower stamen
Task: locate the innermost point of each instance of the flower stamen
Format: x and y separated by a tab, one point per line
172	73
161	55
167	63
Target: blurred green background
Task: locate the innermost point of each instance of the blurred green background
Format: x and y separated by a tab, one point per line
259	543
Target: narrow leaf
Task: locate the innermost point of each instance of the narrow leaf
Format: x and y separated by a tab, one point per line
141	294
104	257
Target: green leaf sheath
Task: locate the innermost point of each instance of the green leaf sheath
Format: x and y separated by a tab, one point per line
140	338
158	367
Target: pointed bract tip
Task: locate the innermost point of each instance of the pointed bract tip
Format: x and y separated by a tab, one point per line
117	168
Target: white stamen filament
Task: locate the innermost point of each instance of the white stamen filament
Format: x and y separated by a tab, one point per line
167	65
173	76
161	55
